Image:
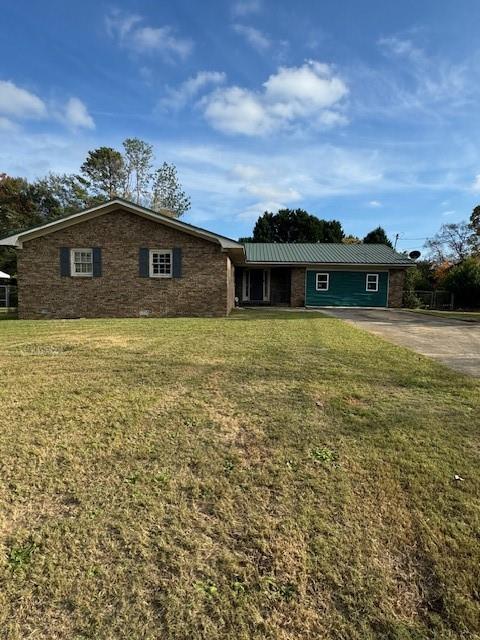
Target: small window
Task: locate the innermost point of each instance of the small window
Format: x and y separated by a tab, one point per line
160	263
81	262
372	281
323	280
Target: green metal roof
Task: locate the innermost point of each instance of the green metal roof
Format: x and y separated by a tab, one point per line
324	253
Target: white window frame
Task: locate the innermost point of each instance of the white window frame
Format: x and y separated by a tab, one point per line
327	282
150	263
266	285
377	278
246	285
73	273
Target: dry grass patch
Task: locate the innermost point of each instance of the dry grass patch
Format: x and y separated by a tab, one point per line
273	475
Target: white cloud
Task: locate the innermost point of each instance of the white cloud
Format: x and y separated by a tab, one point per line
401	47
246	7
246	171
419	82
451	212
476	183
251	213
310	92
32	155
7	125
236	110
332	119
77	116
271	189
176	98
20	103
375	204
236	184
311	84
161	39
131	33
272	192
120	24
271	197
254	37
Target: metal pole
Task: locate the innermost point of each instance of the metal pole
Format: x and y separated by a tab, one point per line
397	235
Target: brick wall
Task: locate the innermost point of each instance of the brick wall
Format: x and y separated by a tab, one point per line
297	289
395	287
120	292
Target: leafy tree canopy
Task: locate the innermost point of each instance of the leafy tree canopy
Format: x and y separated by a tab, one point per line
475	220
296	225
105	173
24	204
454	242
463	280
351	240
377	236
167	192
132	175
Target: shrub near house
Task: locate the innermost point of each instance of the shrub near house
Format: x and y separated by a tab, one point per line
463	280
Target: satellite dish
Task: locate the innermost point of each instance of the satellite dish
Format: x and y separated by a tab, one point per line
414	255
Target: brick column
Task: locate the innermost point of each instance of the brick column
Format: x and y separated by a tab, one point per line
297	287
395	287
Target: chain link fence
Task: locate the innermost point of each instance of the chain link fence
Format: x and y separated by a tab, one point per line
439	299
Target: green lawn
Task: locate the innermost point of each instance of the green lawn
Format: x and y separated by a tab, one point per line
467	316
266	476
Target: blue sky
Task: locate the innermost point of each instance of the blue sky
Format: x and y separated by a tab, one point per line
362	111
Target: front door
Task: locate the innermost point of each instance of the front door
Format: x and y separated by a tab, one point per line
256	285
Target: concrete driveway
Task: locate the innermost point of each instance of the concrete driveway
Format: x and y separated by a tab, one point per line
453	342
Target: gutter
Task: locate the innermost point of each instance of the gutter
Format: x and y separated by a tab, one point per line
399	265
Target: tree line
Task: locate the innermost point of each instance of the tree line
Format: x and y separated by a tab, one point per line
452	263
453	254
296	225
106	173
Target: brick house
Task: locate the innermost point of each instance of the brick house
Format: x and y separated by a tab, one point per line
121	260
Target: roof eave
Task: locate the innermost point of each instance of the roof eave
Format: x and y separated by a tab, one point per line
10	241
16	240
328	264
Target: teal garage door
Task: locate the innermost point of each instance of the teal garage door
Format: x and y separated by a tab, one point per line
346	288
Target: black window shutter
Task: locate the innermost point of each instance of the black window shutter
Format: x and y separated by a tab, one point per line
177	262
64	262
97	262
143	263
